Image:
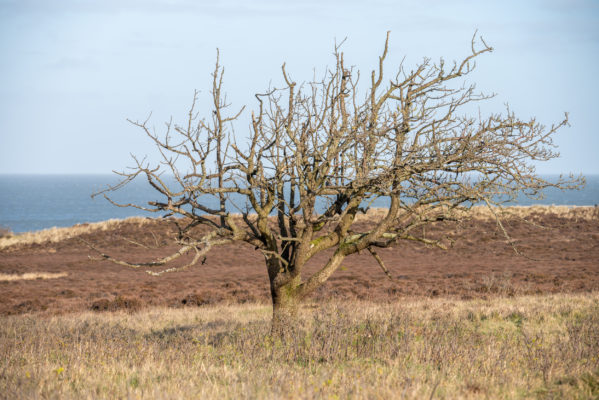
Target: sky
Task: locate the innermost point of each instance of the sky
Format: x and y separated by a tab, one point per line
73	71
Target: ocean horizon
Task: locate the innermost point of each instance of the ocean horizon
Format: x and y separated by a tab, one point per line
36	202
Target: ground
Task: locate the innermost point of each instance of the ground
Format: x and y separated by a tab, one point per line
559	246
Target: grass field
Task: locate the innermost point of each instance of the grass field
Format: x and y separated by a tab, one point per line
522	347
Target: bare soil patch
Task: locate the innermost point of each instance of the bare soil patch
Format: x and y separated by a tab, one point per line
563	257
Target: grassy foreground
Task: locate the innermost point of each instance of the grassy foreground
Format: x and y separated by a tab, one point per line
523	347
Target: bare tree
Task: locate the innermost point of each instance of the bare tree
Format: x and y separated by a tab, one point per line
327	142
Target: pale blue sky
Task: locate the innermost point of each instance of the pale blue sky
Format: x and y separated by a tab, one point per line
72	71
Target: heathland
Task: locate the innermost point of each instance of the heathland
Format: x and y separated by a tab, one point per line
475	321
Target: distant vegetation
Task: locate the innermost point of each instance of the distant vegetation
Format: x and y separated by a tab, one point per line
4	232
55	235
523	347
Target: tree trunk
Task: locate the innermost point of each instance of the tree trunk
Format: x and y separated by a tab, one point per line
285	302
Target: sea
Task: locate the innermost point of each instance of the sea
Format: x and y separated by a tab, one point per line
36	202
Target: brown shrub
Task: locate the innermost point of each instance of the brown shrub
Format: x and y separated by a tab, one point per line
5	232
194	299
29	306
118	303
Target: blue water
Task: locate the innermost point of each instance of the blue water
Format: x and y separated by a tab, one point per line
34	202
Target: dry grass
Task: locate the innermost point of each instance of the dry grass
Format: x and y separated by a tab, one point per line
523	347
55	235
570	212
484	213
31	276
